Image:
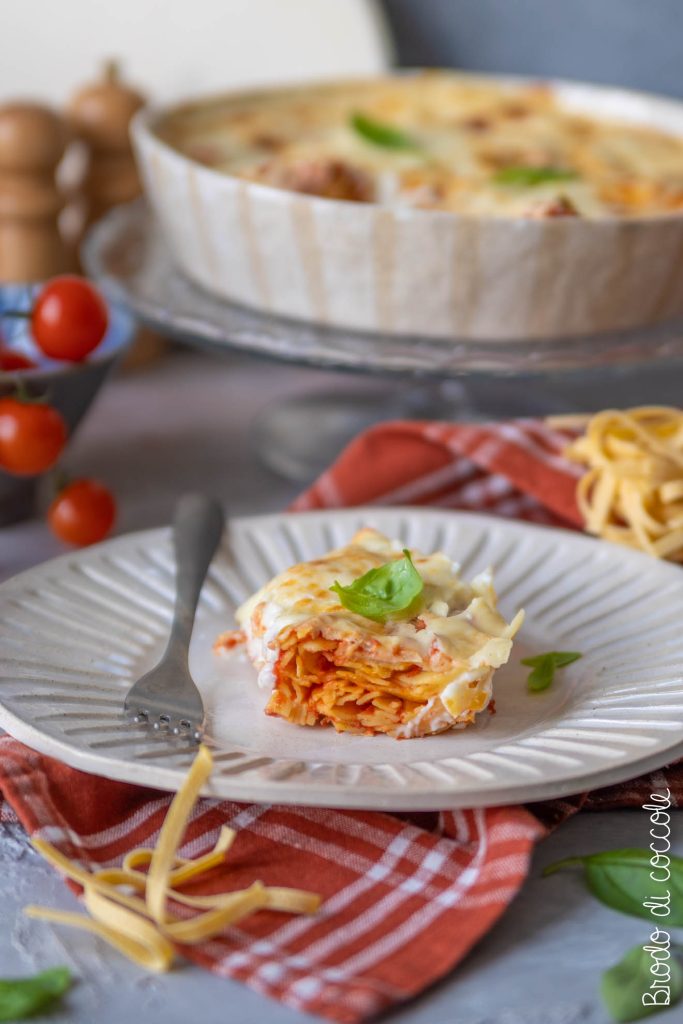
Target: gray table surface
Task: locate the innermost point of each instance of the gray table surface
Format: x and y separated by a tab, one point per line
185	423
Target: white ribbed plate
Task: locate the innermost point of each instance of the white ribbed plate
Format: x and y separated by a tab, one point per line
75	632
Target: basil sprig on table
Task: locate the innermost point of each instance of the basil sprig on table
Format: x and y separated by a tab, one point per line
381	134
393	589
623	986
544	666
621	879
24	997
529	177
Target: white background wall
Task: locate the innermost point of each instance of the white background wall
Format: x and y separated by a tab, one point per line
173	48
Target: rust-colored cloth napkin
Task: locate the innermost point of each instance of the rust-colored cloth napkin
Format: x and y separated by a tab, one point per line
405	896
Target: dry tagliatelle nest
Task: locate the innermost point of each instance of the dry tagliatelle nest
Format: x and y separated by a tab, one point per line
134	910
632	491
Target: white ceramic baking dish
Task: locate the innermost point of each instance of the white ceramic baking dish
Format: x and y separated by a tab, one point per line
419	272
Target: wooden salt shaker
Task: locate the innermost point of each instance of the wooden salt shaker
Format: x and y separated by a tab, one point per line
100	115
32	141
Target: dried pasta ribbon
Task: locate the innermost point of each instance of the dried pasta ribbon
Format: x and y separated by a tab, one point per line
163	858
155	955
191	868
129	908
632	491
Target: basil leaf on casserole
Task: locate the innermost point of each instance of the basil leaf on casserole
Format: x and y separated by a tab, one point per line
379	133
394	588
529	177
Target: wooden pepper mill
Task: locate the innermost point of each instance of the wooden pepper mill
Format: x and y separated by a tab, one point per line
32	141
100	115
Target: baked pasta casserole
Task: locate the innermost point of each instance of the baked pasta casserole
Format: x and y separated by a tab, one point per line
370	639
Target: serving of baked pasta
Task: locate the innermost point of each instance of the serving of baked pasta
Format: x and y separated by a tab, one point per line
374	639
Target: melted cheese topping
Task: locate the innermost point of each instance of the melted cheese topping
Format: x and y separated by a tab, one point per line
466	131
442	659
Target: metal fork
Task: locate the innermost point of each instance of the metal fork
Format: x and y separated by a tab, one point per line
166	697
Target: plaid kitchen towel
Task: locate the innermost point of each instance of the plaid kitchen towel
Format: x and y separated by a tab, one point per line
406	896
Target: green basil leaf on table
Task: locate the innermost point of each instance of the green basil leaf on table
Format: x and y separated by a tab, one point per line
624	986
544	666
622	880
392	589
529	177
381	134
24	997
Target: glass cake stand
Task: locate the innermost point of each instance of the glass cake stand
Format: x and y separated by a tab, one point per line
418	377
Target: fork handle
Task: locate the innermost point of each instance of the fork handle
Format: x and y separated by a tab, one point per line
197	530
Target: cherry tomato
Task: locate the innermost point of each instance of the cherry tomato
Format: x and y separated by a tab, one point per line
10	359
69	318
32	436
83	513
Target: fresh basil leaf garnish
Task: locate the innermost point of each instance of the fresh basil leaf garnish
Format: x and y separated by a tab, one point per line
542	675
544	666
24	997
393	589
624	986
381	134
529	177
623	880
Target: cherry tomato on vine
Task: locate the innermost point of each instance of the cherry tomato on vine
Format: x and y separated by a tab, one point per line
69	318
10	359
82	513
32	436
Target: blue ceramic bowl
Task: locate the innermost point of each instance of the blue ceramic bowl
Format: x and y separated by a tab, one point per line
70	387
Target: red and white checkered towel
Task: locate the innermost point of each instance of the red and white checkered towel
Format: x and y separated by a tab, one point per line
406	896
